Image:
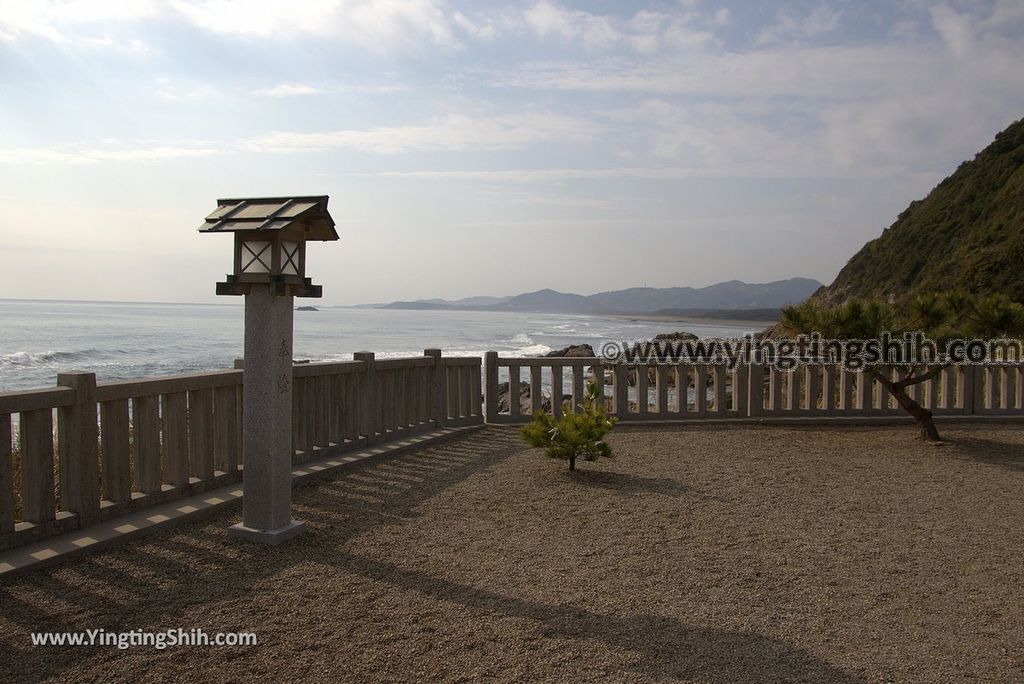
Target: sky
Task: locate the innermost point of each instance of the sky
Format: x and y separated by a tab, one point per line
476	148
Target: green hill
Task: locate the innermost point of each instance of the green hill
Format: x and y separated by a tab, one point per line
967	234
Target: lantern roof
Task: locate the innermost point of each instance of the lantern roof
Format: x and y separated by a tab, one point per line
273	213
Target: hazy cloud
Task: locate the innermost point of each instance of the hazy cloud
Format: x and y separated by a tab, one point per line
453	132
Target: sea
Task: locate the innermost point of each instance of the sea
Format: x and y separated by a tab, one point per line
121	340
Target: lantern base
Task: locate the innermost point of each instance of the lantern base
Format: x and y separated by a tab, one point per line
279	287
267	537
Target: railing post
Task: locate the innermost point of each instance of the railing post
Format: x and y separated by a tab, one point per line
368	412
440	393
77	441
491	387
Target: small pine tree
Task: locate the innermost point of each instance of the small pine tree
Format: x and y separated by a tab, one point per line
575	435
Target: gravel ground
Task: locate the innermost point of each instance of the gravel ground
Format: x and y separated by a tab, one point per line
705	554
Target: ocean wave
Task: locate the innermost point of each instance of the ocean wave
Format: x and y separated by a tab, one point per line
532	350
46	358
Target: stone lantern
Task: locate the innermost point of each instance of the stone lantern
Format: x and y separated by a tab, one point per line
270	236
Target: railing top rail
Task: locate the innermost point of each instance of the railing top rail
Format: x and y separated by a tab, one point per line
305	370
413	362
35	399
505	361
143	387
462	360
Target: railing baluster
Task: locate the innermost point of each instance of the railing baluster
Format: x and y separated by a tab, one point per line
948	385
828	388
298	424
200	433
661	388
621	389
700	390
740	395
845	390
755	390
116	448
775	388
793	390
578	386
1018	387
175	418
557	393
514	407
37	498
682	389
227	449
642	391
7	502
477	397
1006	389
323	411
719	373
535	389
146	436
491	387
78	442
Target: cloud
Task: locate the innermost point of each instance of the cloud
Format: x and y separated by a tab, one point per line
449	133
790	25
288	90
825	71
454	132
646	31
51	20
549	19
956	29
80	154
379	26
285	90
545	175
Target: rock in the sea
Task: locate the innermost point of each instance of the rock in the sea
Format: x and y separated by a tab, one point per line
574	350
675	336
306	308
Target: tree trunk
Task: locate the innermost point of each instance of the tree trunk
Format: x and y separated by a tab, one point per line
572	463
923	416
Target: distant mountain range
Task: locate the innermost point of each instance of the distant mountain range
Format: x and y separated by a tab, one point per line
711	301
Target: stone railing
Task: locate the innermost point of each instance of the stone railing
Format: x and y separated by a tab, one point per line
84	452
685	391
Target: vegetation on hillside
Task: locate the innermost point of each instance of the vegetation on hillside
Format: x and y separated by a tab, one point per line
966	235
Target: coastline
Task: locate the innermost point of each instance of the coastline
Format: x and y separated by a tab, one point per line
754	326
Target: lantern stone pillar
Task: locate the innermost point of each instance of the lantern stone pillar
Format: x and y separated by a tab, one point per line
270	248
267	419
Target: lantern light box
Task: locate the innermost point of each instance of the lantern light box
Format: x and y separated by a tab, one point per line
270	241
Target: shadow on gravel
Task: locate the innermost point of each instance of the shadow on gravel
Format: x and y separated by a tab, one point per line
623	483
989	451
166	579
669	648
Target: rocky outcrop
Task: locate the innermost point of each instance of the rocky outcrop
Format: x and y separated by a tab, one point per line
573	351
680	336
